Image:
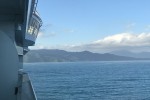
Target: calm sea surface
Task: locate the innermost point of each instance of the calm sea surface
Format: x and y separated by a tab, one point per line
127	80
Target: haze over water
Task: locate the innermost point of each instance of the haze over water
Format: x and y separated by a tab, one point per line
123	80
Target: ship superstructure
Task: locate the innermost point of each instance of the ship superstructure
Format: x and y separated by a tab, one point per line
19	26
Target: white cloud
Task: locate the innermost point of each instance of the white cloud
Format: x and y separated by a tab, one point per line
126	39
147	28
130	25
122	41
40	34
69	31
46	35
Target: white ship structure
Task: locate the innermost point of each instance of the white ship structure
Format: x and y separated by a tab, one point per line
19	26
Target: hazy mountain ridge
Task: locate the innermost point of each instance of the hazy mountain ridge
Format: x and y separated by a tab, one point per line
44	55
131	54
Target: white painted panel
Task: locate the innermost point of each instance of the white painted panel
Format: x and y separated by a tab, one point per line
8	68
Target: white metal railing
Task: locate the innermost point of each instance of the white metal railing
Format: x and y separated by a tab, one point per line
27	91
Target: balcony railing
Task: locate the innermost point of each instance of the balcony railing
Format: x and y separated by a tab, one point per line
27	91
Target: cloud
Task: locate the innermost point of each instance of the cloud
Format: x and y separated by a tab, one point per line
123	41
46	35
45	27
37	46
43	33
129	27
40	34
69	31
147	28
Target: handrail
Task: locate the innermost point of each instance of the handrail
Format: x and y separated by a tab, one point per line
28	92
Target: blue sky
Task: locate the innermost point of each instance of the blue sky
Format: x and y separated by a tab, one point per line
76	25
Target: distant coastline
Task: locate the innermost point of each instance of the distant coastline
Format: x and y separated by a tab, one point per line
54	55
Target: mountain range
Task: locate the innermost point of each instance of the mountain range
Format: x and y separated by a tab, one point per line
131	54
54	55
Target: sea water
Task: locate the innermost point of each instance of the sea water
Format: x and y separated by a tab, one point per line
106	80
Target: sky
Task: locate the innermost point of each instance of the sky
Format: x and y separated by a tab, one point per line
94	25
